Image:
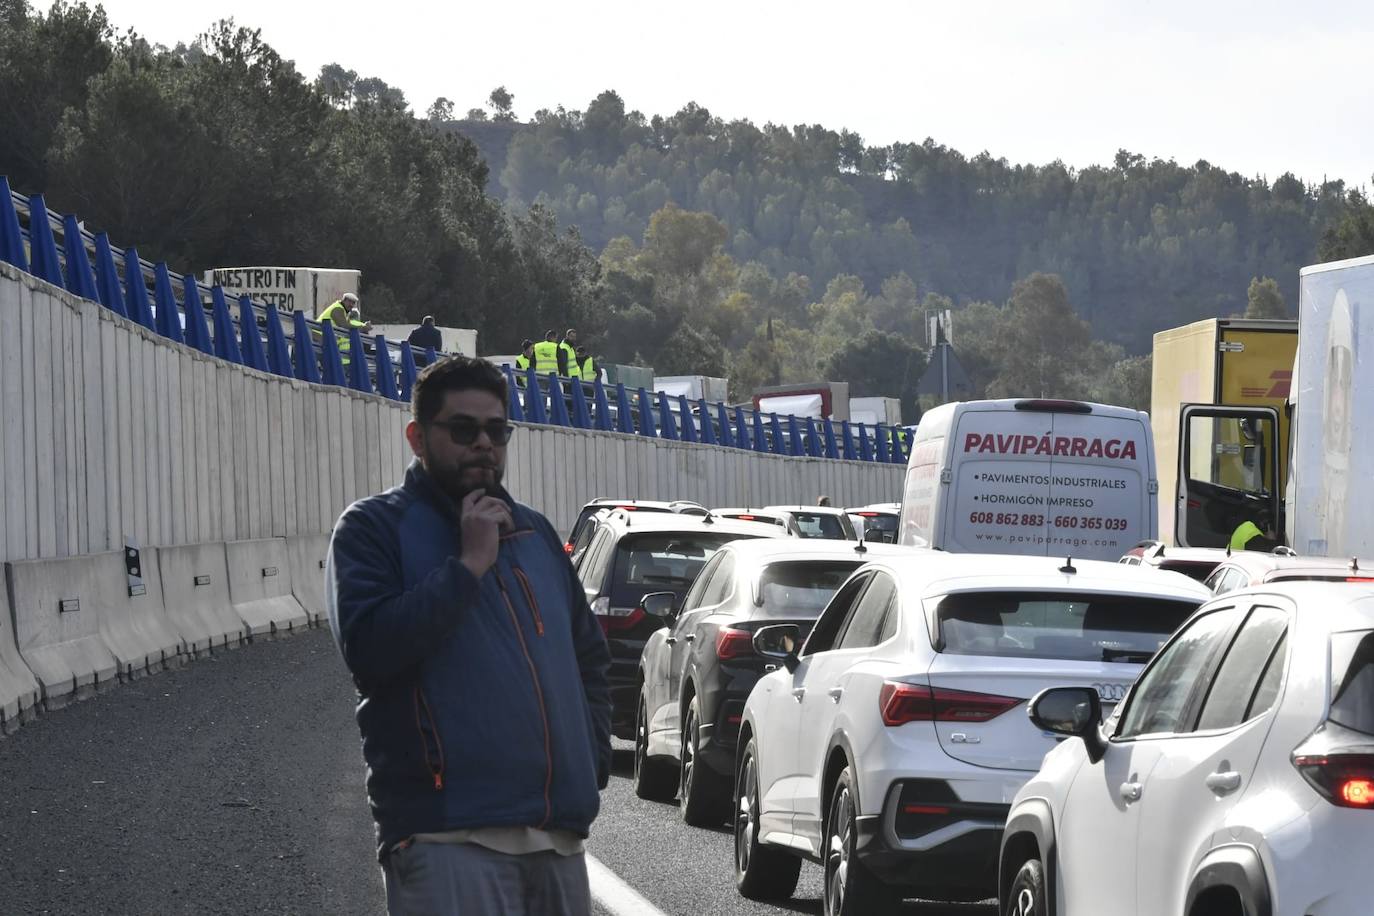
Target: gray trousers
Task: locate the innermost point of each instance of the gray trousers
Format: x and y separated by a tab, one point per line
464	879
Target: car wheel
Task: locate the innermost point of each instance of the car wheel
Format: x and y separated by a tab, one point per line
761	872
654	778
705	795
850	888
1027	894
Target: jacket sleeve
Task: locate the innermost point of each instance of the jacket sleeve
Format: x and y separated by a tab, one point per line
383	630
593	661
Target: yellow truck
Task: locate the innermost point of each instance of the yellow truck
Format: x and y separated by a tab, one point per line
1218	403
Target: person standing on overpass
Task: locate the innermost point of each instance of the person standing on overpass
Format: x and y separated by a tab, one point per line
483	697
546	355
426	337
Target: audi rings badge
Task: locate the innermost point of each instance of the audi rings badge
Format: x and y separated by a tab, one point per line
1111	693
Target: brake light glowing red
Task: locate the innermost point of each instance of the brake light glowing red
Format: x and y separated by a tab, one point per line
1358	793
746	518
627	508
900	703
732	643
1359	579
1345	780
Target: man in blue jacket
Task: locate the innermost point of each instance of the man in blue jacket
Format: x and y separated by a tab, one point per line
483	698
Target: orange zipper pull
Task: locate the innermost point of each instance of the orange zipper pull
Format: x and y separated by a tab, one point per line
438	782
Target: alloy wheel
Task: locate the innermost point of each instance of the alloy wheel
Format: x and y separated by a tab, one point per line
837	851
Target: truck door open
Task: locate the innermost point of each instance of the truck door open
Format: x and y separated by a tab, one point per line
1228	473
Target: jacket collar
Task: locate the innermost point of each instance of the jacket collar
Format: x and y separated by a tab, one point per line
419	481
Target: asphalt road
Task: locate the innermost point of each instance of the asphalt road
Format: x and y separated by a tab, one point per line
234	785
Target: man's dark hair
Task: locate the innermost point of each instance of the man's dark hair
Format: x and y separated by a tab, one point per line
453	373
428	319
550	335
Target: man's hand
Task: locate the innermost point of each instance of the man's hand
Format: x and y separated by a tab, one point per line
482	521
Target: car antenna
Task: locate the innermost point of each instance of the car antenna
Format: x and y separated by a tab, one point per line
1068	568
1354	564
707	519
859	548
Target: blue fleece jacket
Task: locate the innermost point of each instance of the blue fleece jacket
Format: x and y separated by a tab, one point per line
481	702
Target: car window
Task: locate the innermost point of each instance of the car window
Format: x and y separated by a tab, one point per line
591	568
582	542
1268	690
800	588
880	528
1237	680
1077	625
1235	578
1352	680
694	594
1163	697
822	525
835	615
1189	568
722	578
660	561
865	624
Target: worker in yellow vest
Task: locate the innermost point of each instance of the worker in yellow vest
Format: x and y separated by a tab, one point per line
339	313
586	366
567	355
526	357
546	355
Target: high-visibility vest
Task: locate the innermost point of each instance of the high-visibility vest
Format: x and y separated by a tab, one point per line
571	355
1244	534
545	357
588	369
521	363
337	315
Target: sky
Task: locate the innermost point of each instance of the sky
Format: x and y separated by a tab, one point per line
1257	87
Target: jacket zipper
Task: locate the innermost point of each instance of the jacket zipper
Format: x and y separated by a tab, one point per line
529	597
539	695
436	772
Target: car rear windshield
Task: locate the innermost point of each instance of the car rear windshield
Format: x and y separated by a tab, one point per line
801	588
821	525
880	528
661	561
1352	680
1074	626
1191	569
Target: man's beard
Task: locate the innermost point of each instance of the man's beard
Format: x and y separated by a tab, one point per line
458	480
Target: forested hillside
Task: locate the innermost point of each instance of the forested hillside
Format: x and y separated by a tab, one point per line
694	245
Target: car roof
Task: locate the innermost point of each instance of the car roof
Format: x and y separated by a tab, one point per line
893	508
1261	564
767	551
612	501
822	510
672	521
1336	606
1163	554
937	572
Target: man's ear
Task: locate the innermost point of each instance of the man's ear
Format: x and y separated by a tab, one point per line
415	435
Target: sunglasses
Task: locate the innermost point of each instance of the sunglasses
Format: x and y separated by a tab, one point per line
464	431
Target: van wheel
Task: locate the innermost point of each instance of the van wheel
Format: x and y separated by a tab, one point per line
654	779
1027	894
761	872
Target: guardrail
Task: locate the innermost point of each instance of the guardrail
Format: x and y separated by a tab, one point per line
259	336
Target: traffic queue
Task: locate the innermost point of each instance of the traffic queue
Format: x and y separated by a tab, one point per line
946	699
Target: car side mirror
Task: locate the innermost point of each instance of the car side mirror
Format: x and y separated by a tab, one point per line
780	642
1075	712
662	605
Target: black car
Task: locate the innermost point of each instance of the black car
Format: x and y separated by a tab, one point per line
632	554
681	506
697	673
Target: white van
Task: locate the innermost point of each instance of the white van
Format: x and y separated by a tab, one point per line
1028	476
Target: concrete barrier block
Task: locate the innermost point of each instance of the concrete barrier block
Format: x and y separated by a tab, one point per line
19	691
260	586
307	553
195	591
135	626
57	607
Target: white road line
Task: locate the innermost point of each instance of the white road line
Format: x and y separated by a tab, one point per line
614	894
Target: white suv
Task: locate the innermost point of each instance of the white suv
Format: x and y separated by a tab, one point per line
1227	783
889	750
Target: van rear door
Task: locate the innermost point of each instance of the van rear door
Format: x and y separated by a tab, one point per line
999	486
1101	501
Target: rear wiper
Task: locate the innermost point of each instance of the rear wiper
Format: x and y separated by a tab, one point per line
1126	655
